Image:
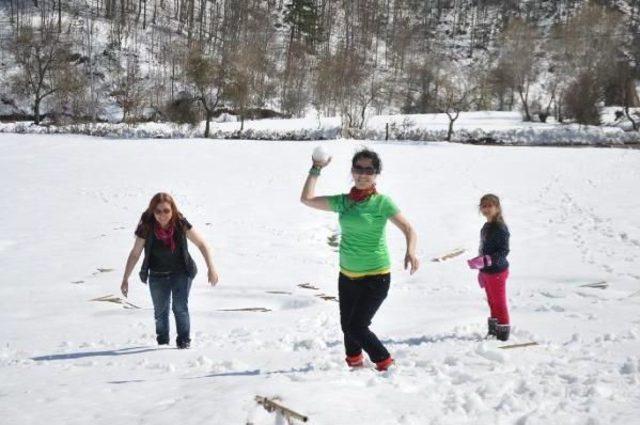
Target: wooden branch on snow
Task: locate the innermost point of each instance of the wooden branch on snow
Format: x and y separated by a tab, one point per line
327	297
251	309
526	344
599	285
449	255
116	300
271	406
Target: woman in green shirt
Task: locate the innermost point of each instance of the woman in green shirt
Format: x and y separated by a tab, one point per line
364	257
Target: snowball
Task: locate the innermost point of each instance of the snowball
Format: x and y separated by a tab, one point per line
320	154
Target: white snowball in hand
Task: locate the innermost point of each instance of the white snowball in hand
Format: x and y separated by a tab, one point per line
319	154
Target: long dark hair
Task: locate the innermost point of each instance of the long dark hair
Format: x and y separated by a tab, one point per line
492	199
148	219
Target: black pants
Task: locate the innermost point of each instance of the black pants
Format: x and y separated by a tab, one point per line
360	299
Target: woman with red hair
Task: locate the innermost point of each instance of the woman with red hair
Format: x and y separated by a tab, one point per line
168	267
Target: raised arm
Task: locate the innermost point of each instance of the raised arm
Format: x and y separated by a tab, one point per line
308	196
132	260
410	257
205	249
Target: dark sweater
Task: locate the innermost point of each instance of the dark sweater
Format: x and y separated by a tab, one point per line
159	258
494	242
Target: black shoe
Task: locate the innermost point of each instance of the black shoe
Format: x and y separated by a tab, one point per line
492	322
183	344
502	332
162	340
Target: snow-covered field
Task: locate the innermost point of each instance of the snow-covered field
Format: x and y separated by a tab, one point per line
71	205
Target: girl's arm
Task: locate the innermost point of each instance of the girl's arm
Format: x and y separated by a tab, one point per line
204	248
133	258
500	242
308	191
410	235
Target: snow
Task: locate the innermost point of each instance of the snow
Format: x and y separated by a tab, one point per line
497	127
71	205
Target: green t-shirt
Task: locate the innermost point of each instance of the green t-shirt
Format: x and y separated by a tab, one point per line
363	244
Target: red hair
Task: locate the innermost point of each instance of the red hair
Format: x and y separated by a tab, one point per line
148	219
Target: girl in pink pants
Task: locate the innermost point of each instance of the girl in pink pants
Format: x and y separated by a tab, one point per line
493	265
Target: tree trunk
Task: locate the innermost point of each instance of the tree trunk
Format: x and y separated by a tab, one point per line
207	125
631	94
36	110
59	16
525	105
362	115
452	119
634	124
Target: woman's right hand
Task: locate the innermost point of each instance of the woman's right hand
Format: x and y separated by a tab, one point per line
212	276
321	164
124	288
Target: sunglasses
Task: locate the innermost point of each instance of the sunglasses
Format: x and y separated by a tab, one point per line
369	171
162	211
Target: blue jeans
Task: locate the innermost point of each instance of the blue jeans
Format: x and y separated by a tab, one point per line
163	288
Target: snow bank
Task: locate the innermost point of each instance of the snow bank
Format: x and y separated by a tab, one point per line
502	128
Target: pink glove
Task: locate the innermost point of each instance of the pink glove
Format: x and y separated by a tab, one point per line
479	262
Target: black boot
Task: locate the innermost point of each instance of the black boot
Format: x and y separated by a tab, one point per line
492	322
183	343
502	332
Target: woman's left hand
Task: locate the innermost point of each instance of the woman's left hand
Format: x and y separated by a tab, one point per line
213	277
411	259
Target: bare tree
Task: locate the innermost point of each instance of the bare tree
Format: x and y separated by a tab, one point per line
129	92
346	84
240	84
584	51
582	98
422	81
207	76
629	94
518	62
70	98
455	93
40	55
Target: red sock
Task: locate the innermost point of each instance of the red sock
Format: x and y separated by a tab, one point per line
355	361
384	364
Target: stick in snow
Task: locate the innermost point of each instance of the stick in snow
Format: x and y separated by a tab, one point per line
116	300
599	285
103	270
307	286
253	309
270	406
327	297
525	344
449	255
